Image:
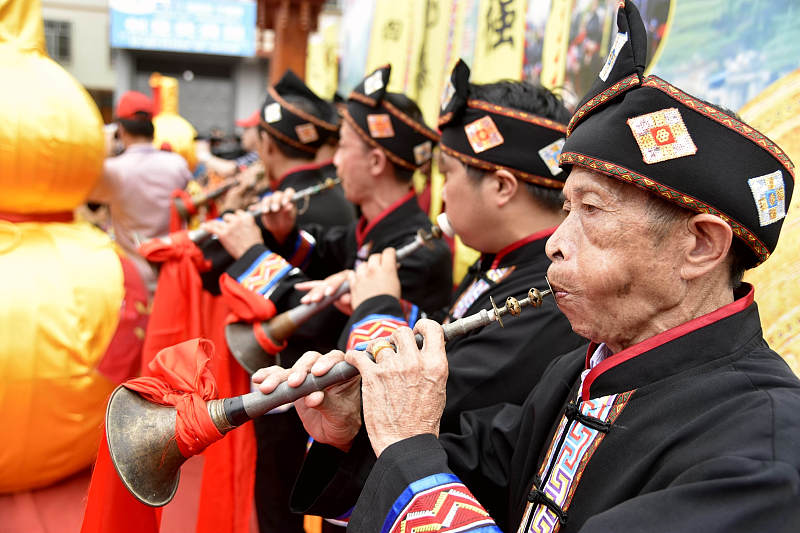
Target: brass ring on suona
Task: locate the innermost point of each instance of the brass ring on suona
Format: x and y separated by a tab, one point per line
378	346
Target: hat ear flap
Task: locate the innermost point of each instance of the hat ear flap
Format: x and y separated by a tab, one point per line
455	94
628	53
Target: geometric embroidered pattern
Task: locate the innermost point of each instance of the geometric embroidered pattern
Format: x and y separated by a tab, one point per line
483	134
769	195
672	195
549	155
621	86
560	477
718	116
469	296
496	275
380	126
265	272
373	327
303	247
662	135
307	133
448	506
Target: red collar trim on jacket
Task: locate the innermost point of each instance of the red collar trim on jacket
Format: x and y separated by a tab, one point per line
522	242
363	228
662	338
298	168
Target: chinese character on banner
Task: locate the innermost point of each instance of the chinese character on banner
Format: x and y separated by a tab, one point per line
500	19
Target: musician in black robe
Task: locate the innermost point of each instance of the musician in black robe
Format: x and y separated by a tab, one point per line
677	417
383	140
519	198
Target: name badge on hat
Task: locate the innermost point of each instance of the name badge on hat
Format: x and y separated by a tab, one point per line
380	126
770	196
662	136
483	134
272	113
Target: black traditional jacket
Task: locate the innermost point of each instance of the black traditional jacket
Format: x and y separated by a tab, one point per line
694	429
316	252
327	208
493	364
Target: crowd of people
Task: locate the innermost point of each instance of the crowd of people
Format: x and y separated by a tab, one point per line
638	396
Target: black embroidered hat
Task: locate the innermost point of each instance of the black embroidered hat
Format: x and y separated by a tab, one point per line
283	118
407	143
493	137
645	131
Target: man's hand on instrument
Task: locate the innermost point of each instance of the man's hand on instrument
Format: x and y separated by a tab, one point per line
403	392
332	416
237	232
377	275
280	213
321	289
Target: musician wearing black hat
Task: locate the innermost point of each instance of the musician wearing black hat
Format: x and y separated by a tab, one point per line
383	140
677	417
504	203
293	126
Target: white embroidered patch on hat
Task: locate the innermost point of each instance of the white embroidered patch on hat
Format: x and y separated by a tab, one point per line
380	126
373	83
447	94
550	153
619	42
423	152
662	136
483	134
272	113
770	196
307	133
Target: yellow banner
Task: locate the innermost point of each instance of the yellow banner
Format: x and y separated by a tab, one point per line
396	37
556	40
500	47
322	66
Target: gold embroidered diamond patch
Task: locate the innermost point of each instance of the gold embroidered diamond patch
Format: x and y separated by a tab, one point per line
483	134
662	136
307	133
770	196
380	126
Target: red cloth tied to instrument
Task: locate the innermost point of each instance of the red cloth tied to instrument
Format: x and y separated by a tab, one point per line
249	306
177	309
182	310
180	376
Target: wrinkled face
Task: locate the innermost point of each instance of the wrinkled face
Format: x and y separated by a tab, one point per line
352	164
464	201
612	277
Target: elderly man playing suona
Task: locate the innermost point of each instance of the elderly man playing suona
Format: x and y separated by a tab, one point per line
678	417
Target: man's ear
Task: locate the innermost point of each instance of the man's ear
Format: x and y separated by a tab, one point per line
709	239
377	161
503	186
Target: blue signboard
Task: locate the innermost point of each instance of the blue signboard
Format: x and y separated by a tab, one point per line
225	27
